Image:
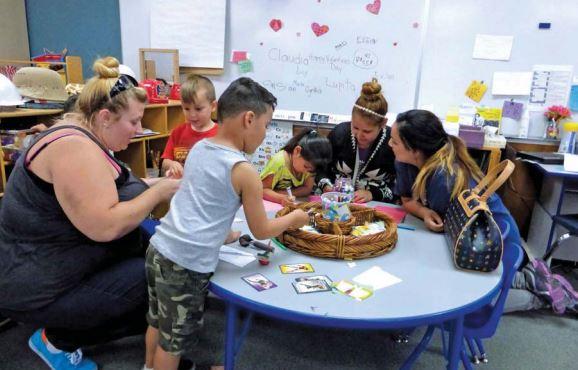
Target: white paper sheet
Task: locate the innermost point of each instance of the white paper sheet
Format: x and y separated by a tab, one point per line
512	83
195	27
235	256
376	278
493	47
550	85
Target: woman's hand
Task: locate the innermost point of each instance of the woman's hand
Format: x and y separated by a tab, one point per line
433	221
173	169
362	196
167	187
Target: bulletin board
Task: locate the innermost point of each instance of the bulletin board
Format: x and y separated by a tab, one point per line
448	66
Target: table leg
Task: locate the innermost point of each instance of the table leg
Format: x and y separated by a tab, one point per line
232	313
456	342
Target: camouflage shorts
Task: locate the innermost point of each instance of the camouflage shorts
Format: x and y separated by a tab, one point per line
176	302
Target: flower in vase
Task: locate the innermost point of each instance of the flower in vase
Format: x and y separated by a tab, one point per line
557	112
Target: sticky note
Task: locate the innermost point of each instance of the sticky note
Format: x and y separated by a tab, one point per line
237	56
512	109
245	66
476	90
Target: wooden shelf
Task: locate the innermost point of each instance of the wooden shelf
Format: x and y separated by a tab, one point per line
23	112
161	118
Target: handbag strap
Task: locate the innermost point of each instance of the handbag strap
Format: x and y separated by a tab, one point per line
494	179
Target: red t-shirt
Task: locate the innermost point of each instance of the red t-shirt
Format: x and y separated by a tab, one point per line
182	139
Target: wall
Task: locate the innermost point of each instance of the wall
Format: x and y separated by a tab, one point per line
89	29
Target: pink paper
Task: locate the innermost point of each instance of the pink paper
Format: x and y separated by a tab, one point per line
398	214
315	198
238	56
271	207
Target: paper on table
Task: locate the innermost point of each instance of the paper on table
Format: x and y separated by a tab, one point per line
376	278
235	256
511	83
270	206
493	47
398	214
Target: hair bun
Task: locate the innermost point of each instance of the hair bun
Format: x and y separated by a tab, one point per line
371	90
106	67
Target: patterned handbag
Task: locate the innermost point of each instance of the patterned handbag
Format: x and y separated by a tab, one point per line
472	233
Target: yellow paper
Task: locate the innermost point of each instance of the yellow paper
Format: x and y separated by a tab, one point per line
453	115
491	116
476	90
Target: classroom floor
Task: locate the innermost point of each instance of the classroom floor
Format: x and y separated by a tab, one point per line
529	341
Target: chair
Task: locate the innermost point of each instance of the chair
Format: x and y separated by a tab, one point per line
570	223
481	324
147	228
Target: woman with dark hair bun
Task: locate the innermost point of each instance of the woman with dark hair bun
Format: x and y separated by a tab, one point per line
360	150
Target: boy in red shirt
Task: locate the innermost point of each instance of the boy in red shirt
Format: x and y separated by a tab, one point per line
198	102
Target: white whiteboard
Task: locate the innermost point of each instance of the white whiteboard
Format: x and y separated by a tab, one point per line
324	74
448	67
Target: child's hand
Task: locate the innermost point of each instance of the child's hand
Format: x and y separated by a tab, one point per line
300	218
362	196
288	201
232	237
174	170
433	221
327	189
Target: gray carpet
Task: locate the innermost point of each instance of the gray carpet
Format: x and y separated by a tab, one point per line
532	340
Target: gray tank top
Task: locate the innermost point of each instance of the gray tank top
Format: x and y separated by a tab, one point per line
203	209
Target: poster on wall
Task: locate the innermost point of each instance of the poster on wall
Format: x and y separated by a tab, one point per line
278	134
174	23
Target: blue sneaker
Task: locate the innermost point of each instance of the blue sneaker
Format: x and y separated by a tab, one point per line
62	360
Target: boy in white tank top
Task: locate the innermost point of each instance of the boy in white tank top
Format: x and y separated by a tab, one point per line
184	250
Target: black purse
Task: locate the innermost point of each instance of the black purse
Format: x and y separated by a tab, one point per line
474	237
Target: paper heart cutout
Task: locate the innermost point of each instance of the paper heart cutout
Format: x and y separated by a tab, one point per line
374	8
276	24
319	30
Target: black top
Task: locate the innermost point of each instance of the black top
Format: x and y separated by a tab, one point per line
376	175
42	254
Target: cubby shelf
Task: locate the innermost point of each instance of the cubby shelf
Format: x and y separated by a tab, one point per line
161	118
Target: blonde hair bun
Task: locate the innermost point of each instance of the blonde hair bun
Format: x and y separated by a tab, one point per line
371	90
106	67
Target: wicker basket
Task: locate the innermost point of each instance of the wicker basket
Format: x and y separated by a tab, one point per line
345	247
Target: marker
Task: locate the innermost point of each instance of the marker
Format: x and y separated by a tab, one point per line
405	227
290	193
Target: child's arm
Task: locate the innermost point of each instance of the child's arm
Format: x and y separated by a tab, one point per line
305	189
431	219
276	196
247	183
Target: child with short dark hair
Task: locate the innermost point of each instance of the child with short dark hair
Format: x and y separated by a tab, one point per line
198	102
294	166
184	251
